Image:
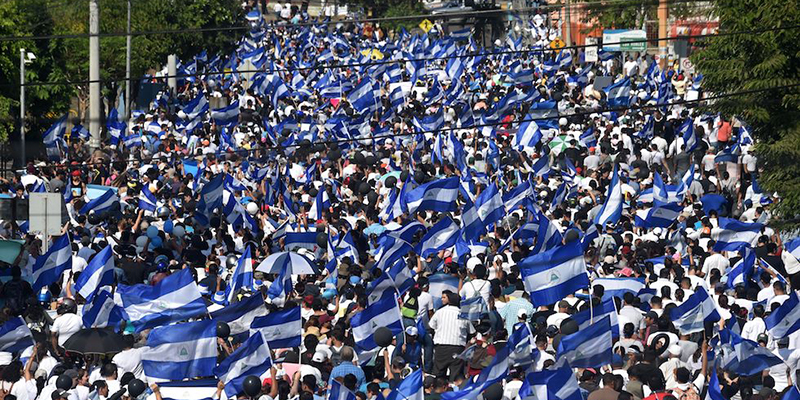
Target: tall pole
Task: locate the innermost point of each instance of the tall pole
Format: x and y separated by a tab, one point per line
128	67
22	102
568	34
663	16
94	74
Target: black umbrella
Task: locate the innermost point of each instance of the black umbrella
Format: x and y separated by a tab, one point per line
95	341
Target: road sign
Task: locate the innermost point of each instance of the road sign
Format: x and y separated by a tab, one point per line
557	43
44	213
687	66
426	25
590	53
624	40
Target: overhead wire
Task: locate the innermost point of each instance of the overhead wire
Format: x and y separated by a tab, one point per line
604	5
476	126
390	61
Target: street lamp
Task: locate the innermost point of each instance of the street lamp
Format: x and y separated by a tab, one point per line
25	58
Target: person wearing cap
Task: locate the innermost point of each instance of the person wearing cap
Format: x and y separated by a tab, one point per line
673	362
411	349
510	313
477	285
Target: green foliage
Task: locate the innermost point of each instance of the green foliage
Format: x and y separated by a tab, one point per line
632	14
759	61
59	60
402	9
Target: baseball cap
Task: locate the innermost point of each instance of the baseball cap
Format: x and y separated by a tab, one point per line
521	313
411	331
59	394
318	357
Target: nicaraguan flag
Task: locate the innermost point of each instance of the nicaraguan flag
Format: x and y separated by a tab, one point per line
733	234
589	347
99	273
410	388
588	317
617	287
253	357
439	195
473	309
528	135
15	335
488	208
241	314
178	352
686	130
174	298
147	200
743	269
102	312
242	276
519	196
786	319
50	265
102	203
282	329
442	235
619	93
692	315
211	194
659	216
552	275
380	313
555	384
337	391
226	116
196	108
495	372
611	211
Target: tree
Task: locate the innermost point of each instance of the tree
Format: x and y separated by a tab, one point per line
758	61
633	14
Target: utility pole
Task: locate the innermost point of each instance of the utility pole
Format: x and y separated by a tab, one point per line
22	102
128	67
568	34
94	74
663	16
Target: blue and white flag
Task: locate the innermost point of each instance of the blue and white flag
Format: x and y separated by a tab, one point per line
242	276
363	97
552	275
99	273
495	372
226	116
442	235
611	211
102	203
174	298
692	315
337	391
520	195
178	352
686	130
551	384
528	135
50	265
714	389
732	234
589	347
523	351
211	194
380	313
748	357
743	269
196	108
617	287
593	315
321	203
786	319
147	200
102	312
488	208
439	195
619	93
15	335
410	388
251	358
659	216
473	309
240	315
282	329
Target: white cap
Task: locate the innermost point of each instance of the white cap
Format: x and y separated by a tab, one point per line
411	331
675	350
318	357
522	313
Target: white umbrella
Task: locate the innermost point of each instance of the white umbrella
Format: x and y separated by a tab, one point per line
294	263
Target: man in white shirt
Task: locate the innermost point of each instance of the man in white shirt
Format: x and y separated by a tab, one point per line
756	326
715	261
450	336
477	285
130	359
67	323
629	311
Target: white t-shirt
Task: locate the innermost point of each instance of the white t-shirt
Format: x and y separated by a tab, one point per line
130	361
65	326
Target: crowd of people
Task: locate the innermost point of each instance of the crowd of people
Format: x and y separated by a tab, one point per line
396	215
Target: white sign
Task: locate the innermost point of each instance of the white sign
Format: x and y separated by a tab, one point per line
687	66
44	212
624	40
590	53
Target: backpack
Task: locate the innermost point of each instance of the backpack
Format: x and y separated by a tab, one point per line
689	394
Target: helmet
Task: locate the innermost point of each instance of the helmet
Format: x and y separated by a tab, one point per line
44	296
67	306
163	212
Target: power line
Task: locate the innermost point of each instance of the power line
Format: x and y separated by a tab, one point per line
612	4
374	63
476	126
